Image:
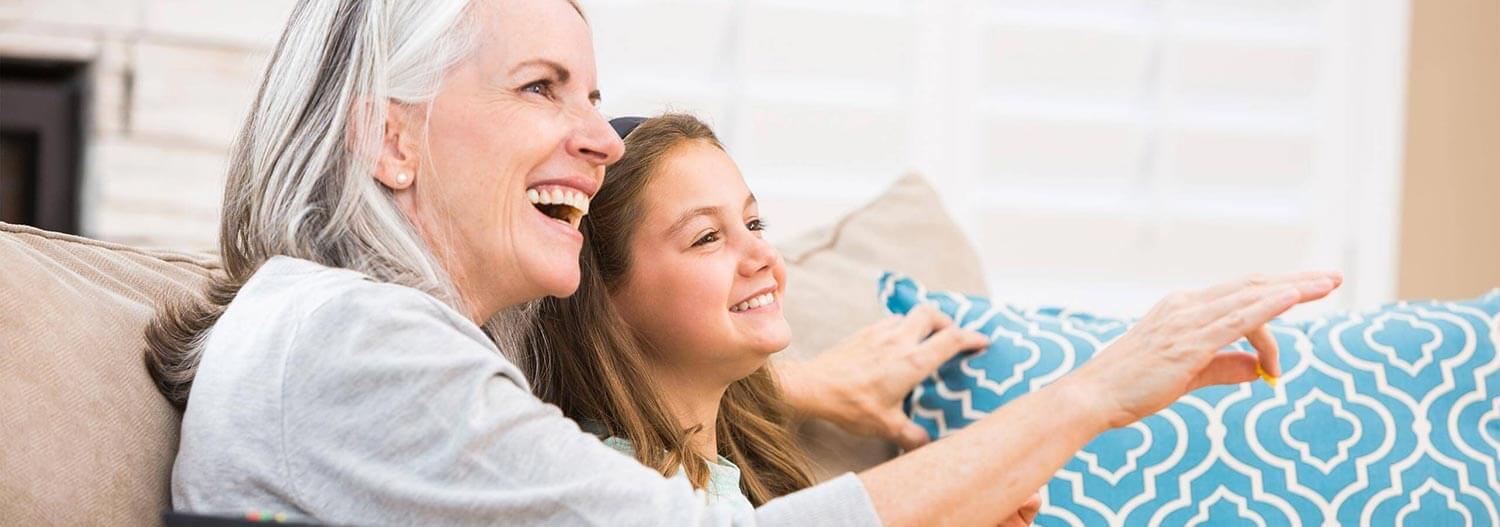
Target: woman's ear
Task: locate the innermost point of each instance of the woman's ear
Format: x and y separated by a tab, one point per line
399	158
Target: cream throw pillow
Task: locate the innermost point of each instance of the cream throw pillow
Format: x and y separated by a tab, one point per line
832	274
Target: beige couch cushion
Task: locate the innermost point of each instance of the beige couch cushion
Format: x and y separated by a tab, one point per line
831	278
86	437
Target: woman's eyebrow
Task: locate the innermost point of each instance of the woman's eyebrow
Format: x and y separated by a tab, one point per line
558	69
561	72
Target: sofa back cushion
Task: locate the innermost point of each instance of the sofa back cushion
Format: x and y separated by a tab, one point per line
84	436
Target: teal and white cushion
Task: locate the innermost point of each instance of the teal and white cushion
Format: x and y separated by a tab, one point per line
1383	417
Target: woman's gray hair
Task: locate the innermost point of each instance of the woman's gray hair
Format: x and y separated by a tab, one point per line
301	175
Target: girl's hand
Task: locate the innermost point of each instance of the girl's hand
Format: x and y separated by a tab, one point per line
1026	514
860	383
1176	347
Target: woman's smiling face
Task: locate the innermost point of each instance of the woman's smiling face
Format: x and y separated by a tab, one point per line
704	288
514	151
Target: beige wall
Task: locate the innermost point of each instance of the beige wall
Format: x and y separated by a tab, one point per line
1450	229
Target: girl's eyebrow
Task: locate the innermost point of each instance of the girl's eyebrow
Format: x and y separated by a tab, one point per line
688	216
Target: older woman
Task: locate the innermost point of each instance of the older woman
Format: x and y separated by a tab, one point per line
410	177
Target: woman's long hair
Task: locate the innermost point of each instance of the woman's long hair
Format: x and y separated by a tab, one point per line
584	358
300	179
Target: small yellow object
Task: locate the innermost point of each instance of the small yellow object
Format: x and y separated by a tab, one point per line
1265	376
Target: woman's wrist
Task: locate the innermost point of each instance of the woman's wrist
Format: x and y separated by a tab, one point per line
1090	394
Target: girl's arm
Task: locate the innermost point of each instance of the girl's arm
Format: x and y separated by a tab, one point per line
859	383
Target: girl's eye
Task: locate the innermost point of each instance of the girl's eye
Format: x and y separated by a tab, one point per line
711	237
541	87
756	224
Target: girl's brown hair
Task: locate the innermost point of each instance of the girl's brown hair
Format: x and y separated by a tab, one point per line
585	359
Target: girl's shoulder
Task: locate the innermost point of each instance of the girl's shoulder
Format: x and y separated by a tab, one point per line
723	475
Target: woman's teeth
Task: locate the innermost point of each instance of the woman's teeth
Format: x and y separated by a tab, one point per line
762	300
560	203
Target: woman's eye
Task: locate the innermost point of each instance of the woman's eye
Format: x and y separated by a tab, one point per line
541	87
707	239
756	225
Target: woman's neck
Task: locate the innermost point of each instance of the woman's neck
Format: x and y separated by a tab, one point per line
694	402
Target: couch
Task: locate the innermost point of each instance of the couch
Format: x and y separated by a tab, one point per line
86	438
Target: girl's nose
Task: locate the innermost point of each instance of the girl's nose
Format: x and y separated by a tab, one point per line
759	256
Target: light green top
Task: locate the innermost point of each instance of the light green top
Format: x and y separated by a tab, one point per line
723	480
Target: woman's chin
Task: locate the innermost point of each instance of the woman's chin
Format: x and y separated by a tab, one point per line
564	289
558	282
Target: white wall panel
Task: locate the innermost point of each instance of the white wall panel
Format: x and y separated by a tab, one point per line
1100	152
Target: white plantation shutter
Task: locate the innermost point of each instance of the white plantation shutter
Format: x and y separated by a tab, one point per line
1099	152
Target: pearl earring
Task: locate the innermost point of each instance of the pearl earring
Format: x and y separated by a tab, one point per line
403	178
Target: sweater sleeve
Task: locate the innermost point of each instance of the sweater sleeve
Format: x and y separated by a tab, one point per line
397	411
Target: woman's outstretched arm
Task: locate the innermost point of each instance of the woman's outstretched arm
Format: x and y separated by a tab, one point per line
984	472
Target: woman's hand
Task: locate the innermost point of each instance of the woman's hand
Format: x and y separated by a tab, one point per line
859	384
1177	347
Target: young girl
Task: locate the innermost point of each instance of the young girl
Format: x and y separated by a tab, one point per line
663	351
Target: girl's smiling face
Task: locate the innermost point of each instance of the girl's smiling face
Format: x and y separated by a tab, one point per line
704	287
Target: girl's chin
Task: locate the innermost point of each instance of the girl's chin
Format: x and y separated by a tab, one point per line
771	344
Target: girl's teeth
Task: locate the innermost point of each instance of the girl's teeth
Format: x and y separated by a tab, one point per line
762	300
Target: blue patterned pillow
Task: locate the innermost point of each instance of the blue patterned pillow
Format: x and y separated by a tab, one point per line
1385	417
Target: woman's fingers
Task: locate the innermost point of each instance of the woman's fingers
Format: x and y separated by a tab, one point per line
1239	321
1246	312
1266	349
1228	367
1258	280
1307	291
1233	311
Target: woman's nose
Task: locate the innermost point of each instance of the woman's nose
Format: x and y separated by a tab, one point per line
594	140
